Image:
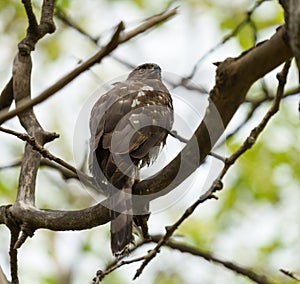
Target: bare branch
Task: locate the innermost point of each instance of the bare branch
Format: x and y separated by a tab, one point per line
114	42
64	171
294	29
46	154
248	143
22	90
170	230
290	274
47	24
118	262
247	20
185	83
148	24
261	279
61	16
7	96
59	220
101	274
13	253
178	137
217	156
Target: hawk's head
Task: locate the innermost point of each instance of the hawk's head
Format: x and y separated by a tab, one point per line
146	71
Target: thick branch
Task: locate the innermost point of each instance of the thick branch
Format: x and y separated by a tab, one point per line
57	220
234	78
294	28
21	86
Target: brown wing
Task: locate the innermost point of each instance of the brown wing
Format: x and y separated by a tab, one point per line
128	124
131	119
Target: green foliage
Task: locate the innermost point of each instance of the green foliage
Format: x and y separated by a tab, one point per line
251	25
113	278
259	177
247	36
163	277
254	179
270	247
51	48
49	280
62	5
13	18
199	232
8	185
143	5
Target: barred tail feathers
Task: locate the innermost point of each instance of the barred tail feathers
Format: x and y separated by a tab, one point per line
121	224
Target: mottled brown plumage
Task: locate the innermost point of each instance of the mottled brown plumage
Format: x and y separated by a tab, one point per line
128	124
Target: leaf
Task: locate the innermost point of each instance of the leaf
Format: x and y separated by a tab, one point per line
246	37
62	5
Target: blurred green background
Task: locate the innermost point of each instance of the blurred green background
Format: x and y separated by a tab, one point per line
255	222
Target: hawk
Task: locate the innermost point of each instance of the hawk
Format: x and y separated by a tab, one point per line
129	125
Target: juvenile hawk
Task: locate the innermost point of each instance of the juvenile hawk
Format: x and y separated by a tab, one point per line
128	124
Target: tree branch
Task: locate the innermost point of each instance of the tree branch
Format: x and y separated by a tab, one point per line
20	86
261	279
218	185
118	262
116	39
71	171
247	19
233	80
22	90
57	220
294	29
290	274
7	96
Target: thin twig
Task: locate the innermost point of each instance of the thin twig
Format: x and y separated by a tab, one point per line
261	279
116	39
290	274
101	274
175	134
255	104
217	156
46	154
184	83
245	21
113	265
169	232
251	139
21	240
257	278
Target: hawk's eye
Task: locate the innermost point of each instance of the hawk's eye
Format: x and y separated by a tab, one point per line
142	70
